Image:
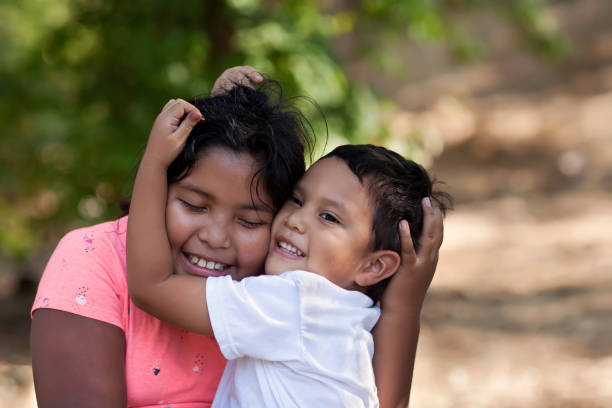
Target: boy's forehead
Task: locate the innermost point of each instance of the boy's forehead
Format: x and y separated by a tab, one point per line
332	171
336	184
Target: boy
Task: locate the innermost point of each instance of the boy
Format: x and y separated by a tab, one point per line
298	336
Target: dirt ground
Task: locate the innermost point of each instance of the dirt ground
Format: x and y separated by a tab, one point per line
520	311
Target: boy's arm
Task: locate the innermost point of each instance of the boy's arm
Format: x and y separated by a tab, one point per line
179	300
397	331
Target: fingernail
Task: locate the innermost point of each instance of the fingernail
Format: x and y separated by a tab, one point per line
427	202
258	77
403	225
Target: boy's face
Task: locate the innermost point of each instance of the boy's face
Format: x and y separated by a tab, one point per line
325	227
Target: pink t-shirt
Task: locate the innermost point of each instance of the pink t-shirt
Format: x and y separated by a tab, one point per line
165	366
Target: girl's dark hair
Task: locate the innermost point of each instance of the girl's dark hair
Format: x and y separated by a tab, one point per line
259	122
396	187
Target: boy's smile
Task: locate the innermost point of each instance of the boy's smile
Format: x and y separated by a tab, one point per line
325	227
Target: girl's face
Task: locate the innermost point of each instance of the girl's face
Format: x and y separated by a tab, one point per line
217	224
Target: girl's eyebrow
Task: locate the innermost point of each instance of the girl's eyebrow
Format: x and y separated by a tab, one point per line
247	206
256	207
192	187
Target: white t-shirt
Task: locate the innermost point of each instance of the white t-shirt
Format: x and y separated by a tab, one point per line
293	340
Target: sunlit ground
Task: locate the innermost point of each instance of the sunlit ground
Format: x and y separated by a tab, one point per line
520	314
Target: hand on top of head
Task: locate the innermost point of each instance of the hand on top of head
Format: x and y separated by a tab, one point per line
170	130
240	75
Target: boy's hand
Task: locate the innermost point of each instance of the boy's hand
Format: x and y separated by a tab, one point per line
241	75
170	130
409	285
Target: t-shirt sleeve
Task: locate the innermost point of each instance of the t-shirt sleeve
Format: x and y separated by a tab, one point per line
85	276
257	317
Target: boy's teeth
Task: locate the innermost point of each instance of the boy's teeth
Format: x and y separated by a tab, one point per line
290	248
203	263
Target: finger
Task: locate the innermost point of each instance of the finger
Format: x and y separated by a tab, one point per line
241	75
193	117
222	85
178	111
231	77
407	249
253	75
168	104
433	229
172	103
219	86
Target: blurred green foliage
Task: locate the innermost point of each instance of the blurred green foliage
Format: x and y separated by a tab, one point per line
82	80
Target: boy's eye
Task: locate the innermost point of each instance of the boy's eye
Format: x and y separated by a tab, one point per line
330	218
295	200
192	207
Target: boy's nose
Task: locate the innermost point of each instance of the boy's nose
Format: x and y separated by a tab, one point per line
296	222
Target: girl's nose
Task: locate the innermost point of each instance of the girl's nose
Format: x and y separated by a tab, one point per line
215	234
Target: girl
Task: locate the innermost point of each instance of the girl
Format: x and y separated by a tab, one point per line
91	347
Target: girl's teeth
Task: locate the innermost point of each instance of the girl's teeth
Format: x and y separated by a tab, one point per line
202	263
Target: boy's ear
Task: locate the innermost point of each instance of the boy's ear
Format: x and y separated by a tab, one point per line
381	265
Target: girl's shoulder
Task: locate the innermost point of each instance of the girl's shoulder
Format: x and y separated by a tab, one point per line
86	274
111	231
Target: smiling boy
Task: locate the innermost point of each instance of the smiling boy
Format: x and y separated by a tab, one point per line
299	335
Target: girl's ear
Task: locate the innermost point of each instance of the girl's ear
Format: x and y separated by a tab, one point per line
381	265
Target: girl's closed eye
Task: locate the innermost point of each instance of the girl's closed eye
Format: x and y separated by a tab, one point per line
192	207
251	224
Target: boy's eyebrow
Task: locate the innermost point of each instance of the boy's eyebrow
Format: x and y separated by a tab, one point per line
326	201
333	203
250	206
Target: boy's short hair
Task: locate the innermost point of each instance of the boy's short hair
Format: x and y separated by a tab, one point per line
396	187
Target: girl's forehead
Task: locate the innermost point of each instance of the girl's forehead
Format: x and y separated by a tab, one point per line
226	174
224	153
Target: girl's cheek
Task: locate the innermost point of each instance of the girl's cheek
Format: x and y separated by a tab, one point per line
253	251
177	224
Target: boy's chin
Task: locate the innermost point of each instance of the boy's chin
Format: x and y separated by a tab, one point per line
273	268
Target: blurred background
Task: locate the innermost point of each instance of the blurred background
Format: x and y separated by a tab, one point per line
508	102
